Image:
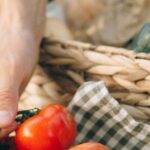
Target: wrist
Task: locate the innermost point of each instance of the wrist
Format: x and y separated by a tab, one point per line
13	13
23	15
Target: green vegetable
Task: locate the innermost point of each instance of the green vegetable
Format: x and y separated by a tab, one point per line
141	42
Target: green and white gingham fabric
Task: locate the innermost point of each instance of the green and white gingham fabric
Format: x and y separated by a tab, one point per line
100	118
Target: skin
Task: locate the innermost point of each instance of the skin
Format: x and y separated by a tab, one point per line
21	30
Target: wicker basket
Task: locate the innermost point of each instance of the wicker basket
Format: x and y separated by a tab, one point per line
41	91
126	73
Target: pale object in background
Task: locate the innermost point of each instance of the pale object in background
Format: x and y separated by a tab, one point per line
57	29
55	10
79	14
109	22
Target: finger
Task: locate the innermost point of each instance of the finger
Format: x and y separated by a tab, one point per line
9	85
5	131
8	107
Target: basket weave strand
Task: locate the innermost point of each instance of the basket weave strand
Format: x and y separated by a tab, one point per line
41	91
126	73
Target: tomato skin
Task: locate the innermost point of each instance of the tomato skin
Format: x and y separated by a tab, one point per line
89	146
52	129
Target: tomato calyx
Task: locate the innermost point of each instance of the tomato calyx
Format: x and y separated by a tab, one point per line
25	114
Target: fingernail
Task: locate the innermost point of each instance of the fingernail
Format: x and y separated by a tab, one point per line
5	118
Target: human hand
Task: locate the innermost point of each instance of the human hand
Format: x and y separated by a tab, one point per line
19	54
21	30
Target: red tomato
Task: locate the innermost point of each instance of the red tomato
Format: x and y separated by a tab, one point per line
89	146
53	128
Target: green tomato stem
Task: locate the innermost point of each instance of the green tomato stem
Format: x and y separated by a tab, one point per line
25	114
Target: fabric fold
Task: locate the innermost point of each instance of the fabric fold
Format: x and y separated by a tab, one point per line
100	118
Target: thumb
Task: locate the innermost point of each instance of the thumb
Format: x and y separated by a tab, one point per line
9	85
8	107
10	80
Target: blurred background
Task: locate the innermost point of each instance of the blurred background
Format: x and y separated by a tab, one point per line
109	22
100	22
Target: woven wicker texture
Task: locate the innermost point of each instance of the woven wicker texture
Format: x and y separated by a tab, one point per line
41	91
126	74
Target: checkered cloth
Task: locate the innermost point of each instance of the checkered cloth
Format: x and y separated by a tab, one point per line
100	118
